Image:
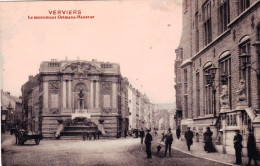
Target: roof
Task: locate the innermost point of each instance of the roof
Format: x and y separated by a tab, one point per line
11	97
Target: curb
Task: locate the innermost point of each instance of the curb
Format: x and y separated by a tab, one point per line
201	156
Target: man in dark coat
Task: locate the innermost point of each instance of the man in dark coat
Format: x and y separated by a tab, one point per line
238	147
148	142
208	147
142	135
178	132
189	136
125	133
251	148
168	142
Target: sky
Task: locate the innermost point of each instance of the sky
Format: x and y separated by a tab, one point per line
139	35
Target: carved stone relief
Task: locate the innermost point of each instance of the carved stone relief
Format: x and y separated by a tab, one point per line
224	98
107	86
80	86
54	85
81	68
54	111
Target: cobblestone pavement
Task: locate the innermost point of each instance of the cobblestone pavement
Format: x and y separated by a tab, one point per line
102	152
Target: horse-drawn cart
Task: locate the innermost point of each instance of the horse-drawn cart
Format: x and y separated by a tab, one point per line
29	136
22	136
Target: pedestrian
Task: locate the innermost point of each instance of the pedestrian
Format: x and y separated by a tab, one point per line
98	134
94	135
84	135
142	135
137	133
148	143
189	136
163	135
125	132
87	136
168	142
155	131
208	147
251	148
238	147
178	132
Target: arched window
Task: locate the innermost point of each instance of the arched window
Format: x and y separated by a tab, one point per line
225	75
244	65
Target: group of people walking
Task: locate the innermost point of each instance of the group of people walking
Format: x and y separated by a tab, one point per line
89	135
208	144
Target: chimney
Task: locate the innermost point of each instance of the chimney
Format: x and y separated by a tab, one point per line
30	77
94	60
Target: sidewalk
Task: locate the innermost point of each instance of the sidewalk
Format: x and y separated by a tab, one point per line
197	150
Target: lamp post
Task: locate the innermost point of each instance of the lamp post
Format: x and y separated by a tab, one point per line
10	114
210	77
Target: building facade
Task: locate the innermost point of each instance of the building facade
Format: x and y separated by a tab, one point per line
66	89
218	63
11	111
140	109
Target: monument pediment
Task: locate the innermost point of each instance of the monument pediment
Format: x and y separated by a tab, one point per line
81	68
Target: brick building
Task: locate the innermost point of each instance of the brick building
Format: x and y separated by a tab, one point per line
217	70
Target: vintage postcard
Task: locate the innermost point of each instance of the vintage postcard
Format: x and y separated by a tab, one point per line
130	82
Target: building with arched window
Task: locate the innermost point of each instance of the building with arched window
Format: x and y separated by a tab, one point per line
65	90
218	63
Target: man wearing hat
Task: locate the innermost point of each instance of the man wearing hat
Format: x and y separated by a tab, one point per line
189	136
148	142
238	147
168	142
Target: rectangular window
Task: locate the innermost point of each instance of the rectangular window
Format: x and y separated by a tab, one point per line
224	16
107	101
54	101
198	93
196	5
186	92
207	22
243	5
186	106
197	31
208	95
185	81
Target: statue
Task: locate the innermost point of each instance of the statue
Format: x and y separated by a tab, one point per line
241	92
224	98
81	99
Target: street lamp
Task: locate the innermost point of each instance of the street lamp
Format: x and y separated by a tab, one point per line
210	78
257	45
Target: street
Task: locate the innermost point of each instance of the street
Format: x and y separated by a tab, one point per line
123	151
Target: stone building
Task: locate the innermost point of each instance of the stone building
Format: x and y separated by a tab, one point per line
219	55
178	87
11	110
66	89
140	109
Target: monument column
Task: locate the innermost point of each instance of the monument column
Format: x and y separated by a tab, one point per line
91	94
97	94
114	95
64	94
45	95
69	94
